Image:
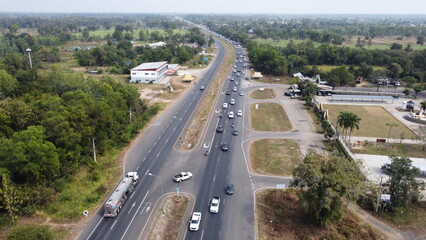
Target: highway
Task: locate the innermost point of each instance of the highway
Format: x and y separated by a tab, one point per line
154	153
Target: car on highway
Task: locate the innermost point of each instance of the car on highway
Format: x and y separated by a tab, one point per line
234	89
225	146
182	176
229	189
241	93
219	129
228	92
238	74
247	78
202	87
194	224
232	78
225	105
240	113
243	72
236	82
235	132
232	101
214	205
235	70
231	115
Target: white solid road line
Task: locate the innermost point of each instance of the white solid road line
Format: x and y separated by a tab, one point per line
202	234
113	224
214	177
147	171
134	216
95	228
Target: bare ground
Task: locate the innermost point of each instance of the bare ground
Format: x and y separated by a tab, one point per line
169	218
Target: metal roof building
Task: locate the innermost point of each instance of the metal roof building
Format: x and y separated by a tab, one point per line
361	98
152	72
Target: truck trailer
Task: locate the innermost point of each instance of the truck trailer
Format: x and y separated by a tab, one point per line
119	196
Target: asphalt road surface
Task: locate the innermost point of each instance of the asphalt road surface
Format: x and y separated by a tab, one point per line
154	153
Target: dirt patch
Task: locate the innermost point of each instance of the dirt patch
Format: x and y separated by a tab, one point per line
169	218
279	216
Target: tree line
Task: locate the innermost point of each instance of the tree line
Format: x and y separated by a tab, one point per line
48	121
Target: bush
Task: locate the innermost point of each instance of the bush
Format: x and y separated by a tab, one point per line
30	232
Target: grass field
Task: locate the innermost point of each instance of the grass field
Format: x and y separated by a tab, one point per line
373	120
397	149
279	216
267	93
275	156
269	117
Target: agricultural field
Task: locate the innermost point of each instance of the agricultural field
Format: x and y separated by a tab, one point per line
373	121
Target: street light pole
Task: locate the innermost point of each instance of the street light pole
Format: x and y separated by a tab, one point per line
28	50
161	184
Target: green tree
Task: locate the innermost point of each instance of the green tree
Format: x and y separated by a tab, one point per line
340	76
403	185
9	199
8	84
420	40
394	70
27	155
13	28
423	106
27	232
324	183
395	46
417	89
406	92
348	120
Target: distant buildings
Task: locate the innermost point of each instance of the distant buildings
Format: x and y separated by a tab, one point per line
157	44
152	72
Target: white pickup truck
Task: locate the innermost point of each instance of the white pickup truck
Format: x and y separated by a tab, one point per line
214	205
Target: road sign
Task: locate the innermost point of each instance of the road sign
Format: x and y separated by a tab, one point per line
385	197
280	186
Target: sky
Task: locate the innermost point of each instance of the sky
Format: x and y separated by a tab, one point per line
218	6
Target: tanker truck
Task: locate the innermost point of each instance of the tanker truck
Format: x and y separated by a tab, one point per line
119	196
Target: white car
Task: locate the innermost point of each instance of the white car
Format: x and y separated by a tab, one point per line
214	205
241	93
182	176
194	224
234	89
231	115
240	113
225	105
232	101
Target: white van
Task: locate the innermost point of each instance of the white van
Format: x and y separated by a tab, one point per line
225	105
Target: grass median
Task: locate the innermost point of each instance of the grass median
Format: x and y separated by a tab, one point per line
275	156
269	117
266	93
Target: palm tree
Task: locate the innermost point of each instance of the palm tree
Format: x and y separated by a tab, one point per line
353	122
348	120
342	120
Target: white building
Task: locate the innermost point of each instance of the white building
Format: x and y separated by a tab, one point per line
157	44
152	72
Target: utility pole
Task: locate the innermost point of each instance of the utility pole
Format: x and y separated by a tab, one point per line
379	194
94	149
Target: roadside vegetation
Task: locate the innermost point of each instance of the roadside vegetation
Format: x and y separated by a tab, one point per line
274	156
269	117
280	216
266	93
169	218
